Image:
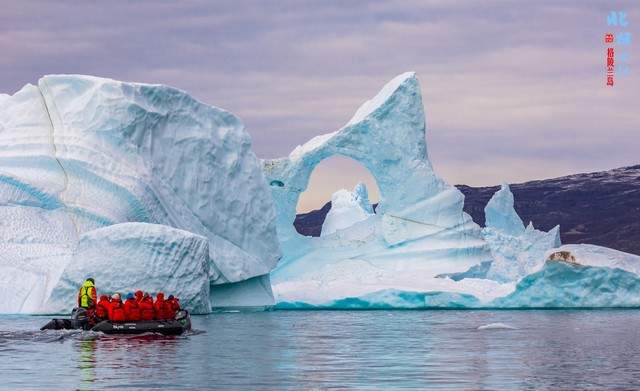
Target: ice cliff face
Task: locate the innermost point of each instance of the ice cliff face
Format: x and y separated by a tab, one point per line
129	256
82	153
347	209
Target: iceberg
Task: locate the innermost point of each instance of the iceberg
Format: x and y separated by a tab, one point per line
419	230
420	250
141	186
347	209
83	153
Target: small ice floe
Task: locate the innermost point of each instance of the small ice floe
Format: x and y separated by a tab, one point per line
496	326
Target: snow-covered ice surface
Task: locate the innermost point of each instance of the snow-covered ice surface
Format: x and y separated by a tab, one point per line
421	250
81	153
592	255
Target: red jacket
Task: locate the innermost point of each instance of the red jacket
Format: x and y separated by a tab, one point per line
162	308
116	311
146	308
131	310
102	309
174	303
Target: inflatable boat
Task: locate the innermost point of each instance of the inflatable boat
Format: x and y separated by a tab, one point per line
79	321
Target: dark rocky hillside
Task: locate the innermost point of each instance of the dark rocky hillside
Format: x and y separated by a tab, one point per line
600	208
310	224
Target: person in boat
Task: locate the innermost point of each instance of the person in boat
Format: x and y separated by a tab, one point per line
146	307
116	309
174	303
87	296
162	308
102	308
131	309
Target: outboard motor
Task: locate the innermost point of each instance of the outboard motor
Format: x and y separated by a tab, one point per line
184	319
80	319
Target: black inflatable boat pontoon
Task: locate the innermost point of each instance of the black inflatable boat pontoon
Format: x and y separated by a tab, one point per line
78	320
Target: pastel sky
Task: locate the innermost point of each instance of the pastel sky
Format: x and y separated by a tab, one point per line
513	91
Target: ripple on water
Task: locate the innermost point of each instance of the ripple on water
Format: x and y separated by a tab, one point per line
280	350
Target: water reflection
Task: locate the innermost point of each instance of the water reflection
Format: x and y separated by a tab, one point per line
128	360
440	350
87	362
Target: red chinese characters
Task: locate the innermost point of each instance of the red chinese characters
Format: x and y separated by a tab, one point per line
608	38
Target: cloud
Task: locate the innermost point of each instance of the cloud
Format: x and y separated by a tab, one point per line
512	90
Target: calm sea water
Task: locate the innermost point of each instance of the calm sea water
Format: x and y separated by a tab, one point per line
302	350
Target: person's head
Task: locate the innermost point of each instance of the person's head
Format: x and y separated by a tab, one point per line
139	294
171	297
146	295
130	296
104	298
115	296
160	296
91	280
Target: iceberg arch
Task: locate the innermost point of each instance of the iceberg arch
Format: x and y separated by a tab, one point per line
419	230
387	136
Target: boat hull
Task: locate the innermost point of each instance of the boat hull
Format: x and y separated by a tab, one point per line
168	327
176	326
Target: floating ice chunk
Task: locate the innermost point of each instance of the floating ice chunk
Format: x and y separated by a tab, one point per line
496	326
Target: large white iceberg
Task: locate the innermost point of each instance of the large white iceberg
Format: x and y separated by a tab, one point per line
81	153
